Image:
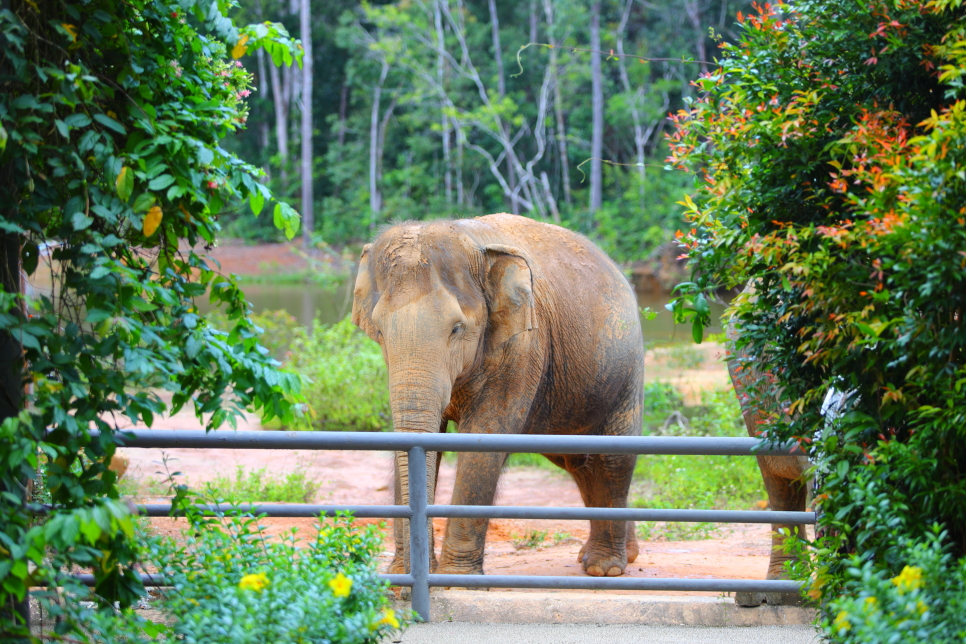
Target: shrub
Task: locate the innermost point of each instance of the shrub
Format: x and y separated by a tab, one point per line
231	584
348	386
830	146
259	486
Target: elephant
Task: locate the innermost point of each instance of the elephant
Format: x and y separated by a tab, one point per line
505	325
785	477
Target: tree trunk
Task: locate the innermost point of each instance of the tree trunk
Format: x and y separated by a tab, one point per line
693	10
639	138
281	124
375	198
561	127
501	90
597	103
445	127
308	218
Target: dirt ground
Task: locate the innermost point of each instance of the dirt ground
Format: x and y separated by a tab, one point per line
739	552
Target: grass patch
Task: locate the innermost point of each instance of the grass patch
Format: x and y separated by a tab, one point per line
258	486
698	482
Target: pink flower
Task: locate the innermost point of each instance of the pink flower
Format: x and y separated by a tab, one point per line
238	63
212	185
245	93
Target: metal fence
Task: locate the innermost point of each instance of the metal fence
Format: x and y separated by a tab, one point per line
419	510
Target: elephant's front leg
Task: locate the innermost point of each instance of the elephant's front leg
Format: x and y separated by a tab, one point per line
400	560
477	475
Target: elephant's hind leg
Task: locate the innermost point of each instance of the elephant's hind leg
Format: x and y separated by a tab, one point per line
603	480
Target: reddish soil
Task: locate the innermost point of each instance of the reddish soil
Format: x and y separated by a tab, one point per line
265	259
740	552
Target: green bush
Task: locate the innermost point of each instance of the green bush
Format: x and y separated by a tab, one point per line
830	147
232	584
348	386
259	486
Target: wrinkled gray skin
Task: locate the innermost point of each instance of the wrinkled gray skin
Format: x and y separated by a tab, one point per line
506	326
784	476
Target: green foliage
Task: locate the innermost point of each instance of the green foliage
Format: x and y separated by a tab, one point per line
260	486
418	177
530	540
348	385
111	116
925	602
830	145
699	482
232	584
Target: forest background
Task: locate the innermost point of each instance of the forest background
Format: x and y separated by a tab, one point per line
422	109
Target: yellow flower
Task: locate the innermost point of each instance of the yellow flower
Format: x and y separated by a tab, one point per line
341	586
921	607
256	582
388	617
842	622
871	603
909	579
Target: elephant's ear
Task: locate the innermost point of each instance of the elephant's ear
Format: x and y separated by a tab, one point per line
363	299
509	293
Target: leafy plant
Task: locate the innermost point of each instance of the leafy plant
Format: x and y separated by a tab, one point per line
829	146
260	486
530	540
699	482
111	171
230	583
348	386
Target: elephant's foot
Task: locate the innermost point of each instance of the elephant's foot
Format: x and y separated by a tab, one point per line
631	544
601	563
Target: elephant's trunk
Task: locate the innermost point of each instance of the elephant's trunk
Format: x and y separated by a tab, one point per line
417	397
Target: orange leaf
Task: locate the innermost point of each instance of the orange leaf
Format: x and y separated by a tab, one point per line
152	220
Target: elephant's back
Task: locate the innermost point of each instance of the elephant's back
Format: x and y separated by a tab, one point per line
588	315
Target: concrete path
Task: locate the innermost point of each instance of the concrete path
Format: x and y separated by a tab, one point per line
458	633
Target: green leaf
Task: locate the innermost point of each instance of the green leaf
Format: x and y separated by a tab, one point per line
62	128
143	202
286	219
81	221
99	272
97	315
256	201
697	330
78	120
3	138
161	182
29	256
124	184
107	121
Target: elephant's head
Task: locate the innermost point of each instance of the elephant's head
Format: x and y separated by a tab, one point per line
436	300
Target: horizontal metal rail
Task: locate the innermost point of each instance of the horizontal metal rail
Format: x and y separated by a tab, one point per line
560	583
295	510
402	441
419	511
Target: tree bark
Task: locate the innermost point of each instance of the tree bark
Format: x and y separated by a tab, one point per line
639	139
375	198
308	218
281	124
445	127
501	91
561	126
693	10
597	103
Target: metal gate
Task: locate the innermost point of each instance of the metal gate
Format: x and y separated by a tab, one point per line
419	510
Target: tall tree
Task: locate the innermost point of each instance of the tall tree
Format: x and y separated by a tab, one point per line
597	106
308	218
560	125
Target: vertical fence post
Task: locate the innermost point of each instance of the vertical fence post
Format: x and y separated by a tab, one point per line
418	532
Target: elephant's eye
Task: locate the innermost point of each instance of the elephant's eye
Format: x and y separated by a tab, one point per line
457	328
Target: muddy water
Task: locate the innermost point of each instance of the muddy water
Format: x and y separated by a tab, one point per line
328	305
